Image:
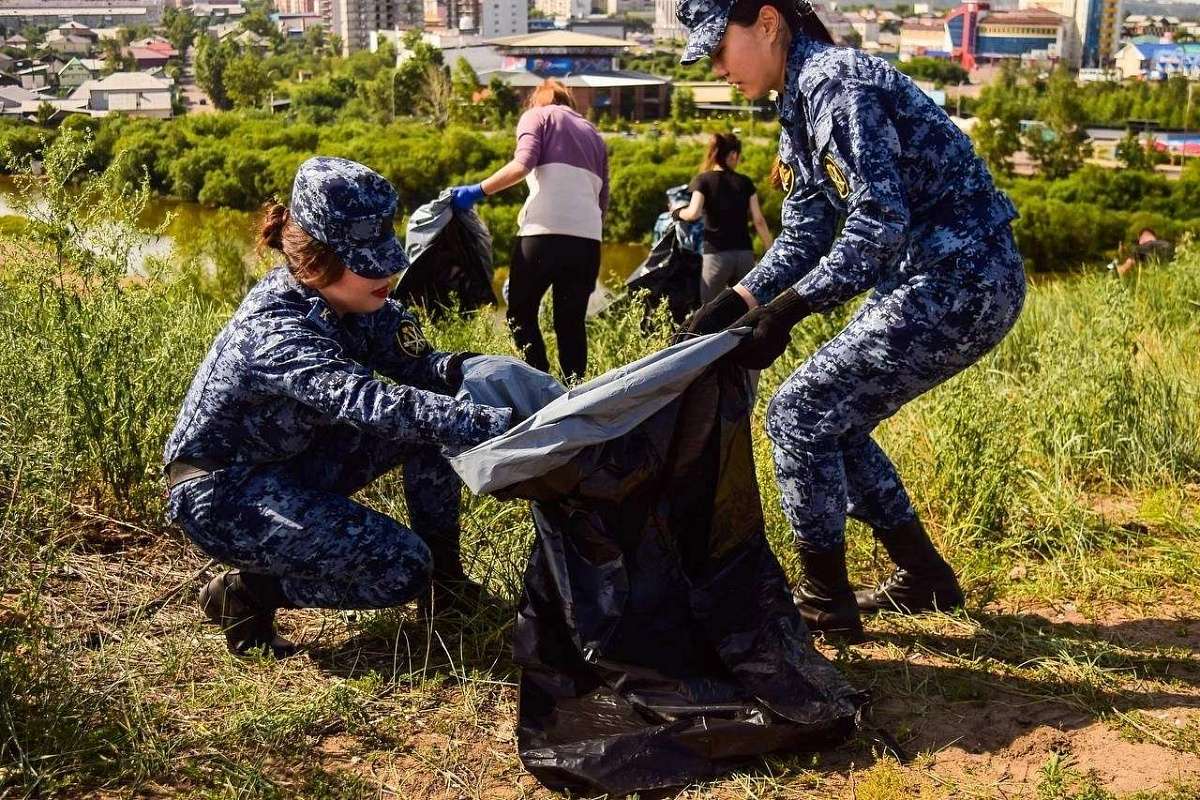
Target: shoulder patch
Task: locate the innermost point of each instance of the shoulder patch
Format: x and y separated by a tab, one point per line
325	317
840	184
787	177
410	340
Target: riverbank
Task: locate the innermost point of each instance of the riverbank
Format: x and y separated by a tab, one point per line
1061	476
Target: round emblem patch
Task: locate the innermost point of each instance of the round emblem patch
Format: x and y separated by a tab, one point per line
410	340
787	176
840	184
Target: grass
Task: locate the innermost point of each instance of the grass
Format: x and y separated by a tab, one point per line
1061	475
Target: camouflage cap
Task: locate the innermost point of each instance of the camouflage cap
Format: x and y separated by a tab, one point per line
351	208
705	21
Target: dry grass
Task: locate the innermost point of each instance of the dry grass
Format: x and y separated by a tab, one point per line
1061	475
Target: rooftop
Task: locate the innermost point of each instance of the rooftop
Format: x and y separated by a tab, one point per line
146	53
68	11
124	82
559	39
592	80
1024	16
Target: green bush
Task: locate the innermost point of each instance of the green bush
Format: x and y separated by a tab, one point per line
1093	393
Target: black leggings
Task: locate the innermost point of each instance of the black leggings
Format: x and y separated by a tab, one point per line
569	264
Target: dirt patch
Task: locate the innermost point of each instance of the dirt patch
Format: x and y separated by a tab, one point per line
983	703
1119	765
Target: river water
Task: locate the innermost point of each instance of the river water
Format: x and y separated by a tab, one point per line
617	260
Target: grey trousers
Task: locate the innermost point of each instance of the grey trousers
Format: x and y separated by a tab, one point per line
721	270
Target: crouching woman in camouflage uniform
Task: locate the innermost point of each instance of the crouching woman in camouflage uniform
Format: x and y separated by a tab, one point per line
286	418
922	226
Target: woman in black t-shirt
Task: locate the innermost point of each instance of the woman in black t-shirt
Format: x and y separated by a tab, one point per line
727	201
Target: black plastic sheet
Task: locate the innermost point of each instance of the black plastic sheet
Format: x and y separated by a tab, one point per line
450	254
657	636
670	274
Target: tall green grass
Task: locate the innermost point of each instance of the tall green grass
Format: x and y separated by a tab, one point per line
1095	394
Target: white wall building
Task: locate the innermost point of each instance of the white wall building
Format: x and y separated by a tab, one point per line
666	24
353	20
615	8
1094	35
569	9
503	18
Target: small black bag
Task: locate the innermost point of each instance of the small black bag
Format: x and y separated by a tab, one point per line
670	274
450	255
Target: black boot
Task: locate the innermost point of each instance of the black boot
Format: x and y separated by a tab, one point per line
922	580
824	597
244	605
451	591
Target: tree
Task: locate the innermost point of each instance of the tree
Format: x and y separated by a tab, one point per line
997	133
996	140
1132	154
465	84
411	75
1060	145
116	58
379	96
437	100
247	82
502	103
937	70
212	59
683	104
45	113
315	40
180	27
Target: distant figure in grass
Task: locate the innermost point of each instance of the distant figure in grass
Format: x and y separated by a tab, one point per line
883	196
286	418
1149	249
565	162
727	202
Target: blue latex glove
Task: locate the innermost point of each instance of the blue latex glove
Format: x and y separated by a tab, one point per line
463	197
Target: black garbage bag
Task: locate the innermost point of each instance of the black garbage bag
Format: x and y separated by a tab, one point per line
670	274
450	255
657	637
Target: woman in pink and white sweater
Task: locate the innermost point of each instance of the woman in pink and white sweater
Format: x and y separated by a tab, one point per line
563	159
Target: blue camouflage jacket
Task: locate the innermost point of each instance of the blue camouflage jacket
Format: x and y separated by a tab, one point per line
286	371
860	142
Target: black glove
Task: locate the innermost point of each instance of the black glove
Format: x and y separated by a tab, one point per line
715	315
454	370
771	330
675	212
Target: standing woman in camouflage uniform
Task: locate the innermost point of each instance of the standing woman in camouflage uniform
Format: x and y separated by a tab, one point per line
286	419
923	228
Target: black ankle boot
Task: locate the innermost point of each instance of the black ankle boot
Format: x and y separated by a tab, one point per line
922	580
451	591
824	597
244	605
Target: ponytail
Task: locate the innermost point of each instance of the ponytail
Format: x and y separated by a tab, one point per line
720	147
270	232
776	176
312	262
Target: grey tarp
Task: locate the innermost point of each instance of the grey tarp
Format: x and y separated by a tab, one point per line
507	382
600	410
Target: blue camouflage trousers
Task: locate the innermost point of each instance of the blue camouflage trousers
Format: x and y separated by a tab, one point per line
295	520
914	332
